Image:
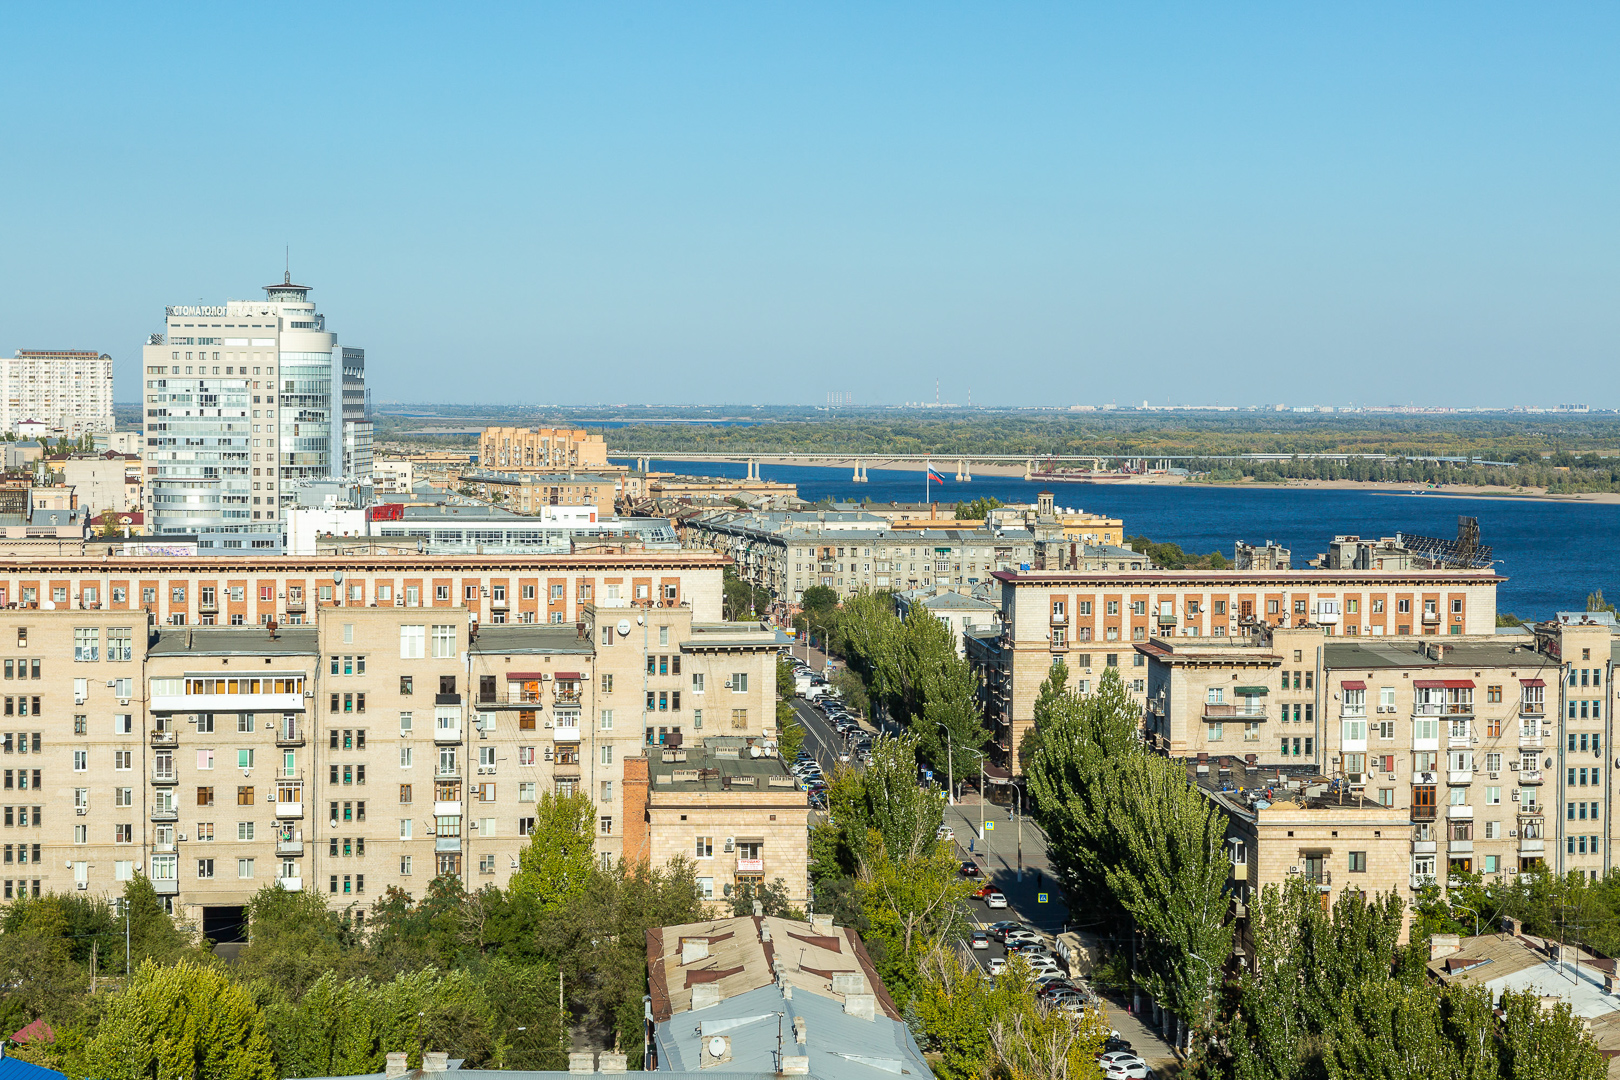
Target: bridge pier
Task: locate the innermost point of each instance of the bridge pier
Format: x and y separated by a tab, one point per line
1029	468
860	472
964	473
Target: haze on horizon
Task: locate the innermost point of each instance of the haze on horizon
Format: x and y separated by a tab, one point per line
1038	204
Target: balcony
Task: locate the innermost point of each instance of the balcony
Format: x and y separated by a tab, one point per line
165	738
447	808
296	603
1423	847
1321	879
165	776
447	734
166	886
1532	708
1240	910
1531	742
1529	776
1430	618
1422	881
291	884
290	809
750	866
289	734
569	734
1059	643
1532	847
500	603
1460	776
447	772
1460	847
1423	813
162	814
289	847
1167	619
447	843
1456	813
1059	618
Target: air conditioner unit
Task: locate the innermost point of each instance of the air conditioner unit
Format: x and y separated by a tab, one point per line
81	884
123	701
1514	765
1515	794
81	810
1389	776
181	838
1493	776
1512	833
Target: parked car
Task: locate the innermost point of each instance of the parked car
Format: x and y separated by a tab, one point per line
945	833
1042	965
1123	1064
1113	1044
979	939
998	964
995	900
1020	934
983	891
1000	930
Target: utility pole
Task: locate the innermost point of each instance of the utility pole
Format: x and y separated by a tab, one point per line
950	763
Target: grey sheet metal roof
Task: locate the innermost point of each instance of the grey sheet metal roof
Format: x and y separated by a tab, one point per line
234	641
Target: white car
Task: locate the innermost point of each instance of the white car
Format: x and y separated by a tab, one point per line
945	834
1021	935
998	964
995	900
1123	1063
1042	964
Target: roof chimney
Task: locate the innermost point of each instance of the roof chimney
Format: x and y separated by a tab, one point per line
705	994
581	1061
396	1066
612	1063
435	1061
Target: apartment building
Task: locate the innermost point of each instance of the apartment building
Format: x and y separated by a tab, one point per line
740	816
70	392
789	553
516	449
1094	620
534	492
1490	750
374	747
182	589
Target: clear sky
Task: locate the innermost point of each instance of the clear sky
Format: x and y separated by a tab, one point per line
680	202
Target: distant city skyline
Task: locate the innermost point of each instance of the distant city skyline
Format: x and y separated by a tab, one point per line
732	205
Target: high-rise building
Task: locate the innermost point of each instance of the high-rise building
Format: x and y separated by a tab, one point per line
68	391
244	400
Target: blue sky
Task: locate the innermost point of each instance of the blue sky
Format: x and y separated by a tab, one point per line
764	202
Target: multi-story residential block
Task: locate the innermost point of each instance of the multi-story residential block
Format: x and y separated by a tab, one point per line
788	553
741	816
1491	753
373	746
1094	620
242	400
69	392
960	610
103	482
516	449
533	492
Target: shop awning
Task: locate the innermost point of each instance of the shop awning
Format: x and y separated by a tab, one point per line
1355	684
1249	691
1443	684
1532	682
522	676
575	676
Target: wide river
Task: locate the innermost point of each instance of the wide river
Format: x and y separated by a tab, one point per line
1552	553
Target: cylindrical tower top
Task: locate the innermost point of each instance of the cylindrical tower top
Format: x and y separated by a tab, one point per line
285	291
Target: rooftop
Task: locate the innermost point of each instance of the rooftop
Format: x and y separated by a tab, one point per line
1523	962
713	764
234	641
734	635
529	638
1387	653
1247	789
1240	578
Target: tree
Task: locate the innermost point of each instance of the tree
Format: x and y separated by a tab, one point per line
773	900
885	803
911	903
978	509
558	862
1595	602
188	1021
853	691
819	602
738	597
789	732
294	939
152	931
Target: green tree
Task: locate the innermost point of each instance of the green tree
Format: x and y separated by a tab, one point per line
188	1021
558	862
977	509
1595	602
911	904
789	732
773	899
294	939
883	801
153	934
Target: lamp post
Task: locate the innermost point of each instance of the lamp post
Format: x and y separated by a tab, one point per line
950	763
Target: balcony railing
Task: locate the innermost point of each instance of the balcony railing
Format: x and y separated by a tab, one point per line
1423	847
165	738
1424	813
289	847
567	697
1460	776
290	809
162	814
165	776
1532	846
289	734
1529	776
1460	847
447	734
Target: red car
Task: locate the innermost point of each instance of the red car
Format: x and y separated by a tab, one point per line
985	890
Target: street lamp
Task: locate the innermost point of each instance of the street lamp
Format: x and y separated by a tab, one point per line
950	763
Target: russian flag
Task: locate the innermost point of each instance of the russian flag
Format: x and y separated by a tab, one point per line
934	476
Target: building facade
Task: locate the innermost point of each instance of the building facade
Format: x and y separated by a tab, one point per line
243	400
533	492
1093	621
516	449
70	392
373	746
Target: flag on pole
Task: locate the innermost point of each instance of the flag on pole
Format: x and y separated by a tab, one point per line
934	476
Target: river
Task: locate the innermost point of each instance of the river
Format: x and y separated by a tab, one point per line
1552	553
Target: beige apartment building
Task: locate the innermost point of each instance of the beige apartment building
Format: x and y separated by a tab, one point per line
1093	621
1490	751
374	747
515	449
186	590
533	492
741	817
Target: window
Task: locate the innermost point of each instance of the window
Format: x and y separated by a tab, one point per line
205	796
1358	862
739	682
405	825
205	868
411	642
607	753
244	868
444	641
405	757
87	643
244	797
606	828
404	794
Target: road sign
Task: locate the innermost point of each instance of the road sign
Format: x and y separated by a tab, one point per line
1040	898
989	826
928	774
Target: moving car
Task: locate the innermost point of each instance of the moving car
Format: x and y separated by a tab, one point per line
984	890
970	868
995	900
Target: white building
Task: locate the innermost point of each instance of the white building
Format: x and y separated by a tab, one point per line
68	391
243	399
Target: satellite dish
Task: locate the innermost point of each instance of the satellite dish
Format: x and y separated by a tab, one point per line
624	627
640	619
717	1047
337	577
